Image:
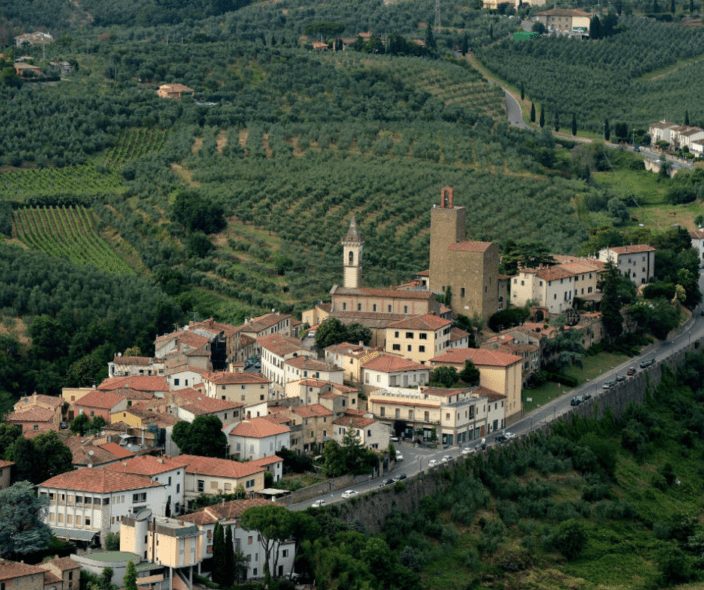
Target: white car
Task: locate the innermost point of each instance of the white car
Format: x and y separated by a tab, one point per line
468	451
399	456
318	504
509	435
350	494
432	463
446	459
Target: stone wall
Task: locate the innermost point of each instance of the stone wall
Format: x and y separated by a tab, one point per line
372	509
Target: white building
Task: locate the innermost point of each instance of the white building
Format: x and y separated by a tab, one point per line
276	350
257	438
697	236
303	367
89	503
661	131
637	262
372	433
228	514
388	370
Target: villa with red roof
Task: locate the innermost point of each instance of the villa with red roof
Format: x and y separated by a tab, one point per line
244	388
419	338
350	357
90	503
257	438
211	476
637	261
142	383
36	413
371	433
388	370
499	372
100	403
303	367
316	426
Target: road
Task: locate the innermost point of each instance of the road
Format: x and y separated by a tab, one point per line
515	117
416	459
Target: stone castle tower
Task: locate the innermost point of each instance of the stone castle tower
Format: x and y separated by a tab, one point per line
447	226
352	257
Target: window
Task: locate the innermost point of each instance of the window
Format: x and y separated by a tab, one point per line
374	307
396	334
382	412
405	309
249	541
142	497
87	521
359	307
462	292
421	349
201	485
409	348
422	336
409	335
344	306
389	308
396	347
176	381
410	414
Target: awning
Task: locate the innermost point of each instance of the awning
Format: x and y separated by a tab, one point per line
74	534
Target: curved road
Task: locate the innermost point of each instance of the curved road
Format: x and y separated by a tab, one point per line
416	459
515	117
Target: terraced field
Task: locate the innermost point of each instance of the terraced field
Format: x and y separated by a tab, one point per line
67	232
133	144
22	184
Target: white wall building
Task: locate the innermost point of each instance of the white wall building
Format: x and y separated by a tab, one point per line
257	438
637	262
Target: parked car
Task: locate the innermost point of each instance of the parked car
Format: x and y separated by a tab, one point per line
621	378
608	384
631	371
432	463
394	439
500	438
509	435
446	459
646	364
318	504
350	494
386	482
586	396
257	365
576	400
468	451
399	477
399	456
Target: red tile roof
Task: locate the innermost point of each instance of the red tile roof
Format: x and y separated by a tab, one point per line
226	378
388	363
132	360
479	356
310	364
213	467
267	461
553	273
138	382
633	249
427	322
227	511
48	400
384	293
62	563
493	396
354	421
4	464
33	414
104	400
457	334
470	246
12	569
280	345
146	465
258	428
98	481
117	450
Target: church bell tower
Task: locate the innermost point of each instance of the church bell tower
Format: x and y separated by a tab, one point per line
352	257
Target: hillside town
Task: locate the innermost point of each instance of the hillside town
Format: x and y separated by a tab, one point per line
272	391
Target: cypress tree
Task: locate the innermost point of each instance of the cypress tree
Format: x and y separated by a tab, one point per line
218	554
607	130
542	116
557	120
686	117
574	124
523	91
532	112
229	561
465	44
691	6
491	31
672	6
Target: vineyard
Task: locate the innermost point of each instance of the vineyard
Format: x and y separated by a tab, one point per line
133	144
67	232
75	180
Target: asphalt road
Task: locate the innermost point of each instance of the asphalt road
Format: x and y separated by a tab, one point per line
515	117
416	459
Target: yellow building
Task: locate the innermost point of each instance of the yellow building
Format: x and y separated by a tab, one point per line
316	426
469	269
419	338
350	357
499	372
565	20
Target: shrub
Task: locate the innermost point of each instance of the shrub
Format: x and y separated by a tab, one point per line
570	538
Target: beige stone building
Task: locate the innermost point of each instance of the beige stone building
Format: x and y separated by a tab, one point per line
499	372
565	20
388	370
57	574
637	261
336	398
419	338
5	474
244	388
350	357
372	433
316	426
303	367
469	269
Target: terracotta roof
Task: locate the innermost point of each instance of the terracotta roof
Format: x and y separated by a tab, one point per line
137	382
423	273
354	421
146	465
696	234
12	569
479	356
441	391
258	428
32	414
312	411
348	349
225	378
267	461
457	334
562	12
226	511
62	563
197	352
50	577
98	481
149	416
313	383
579	267
211	466
387	293
280	345
4	464
553	273
190	398
211	324
117	450
264	322
389	363
132	394
470	246
493	396
306	363
38	398
663	125
422	322
279	418
633	249
104	400
185	337
132	360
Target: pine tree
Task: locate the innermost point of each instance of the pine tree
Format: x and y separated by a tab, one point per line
607	130
656	8
542	116
574	124
229	561
523	91
532	112
611	302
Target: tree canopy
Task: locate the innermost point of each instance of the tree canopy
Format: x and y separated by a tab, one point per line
203	437
22	529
